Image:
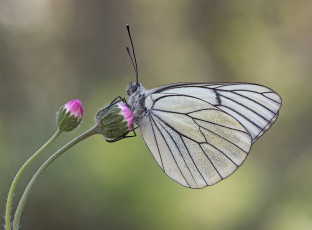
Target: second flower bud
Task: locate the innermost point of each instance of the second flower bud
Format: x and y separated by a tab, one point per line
116	120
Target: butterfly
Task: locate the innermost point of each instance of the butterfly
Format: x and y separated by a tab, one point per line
201	133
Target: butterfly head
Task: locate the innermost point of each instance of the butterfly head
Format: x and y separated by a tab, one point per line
133	87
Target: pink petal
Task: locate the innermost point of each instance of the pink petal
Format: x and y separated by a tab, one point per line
82	109
127	113
75	108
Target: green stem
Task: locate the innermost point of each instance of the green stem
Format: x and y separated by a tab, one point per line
18	175
21	204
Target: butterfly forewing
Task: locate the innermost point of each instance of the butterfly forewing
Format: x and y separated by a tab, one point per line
254	106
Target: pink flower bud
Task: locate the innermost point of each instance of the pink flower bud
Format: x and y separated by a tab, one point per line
126	113
75	108
70	115
116	120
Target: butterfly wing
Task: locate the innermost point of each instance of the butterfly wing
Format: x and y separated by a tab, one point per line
194	142
256	107
200	133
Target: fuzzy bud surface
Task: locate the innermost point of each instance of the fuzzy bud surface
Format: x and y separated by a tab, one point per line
116	120
70	115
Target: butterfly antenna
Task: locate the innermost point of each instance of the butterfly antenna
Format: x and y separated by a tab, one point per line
127	48
135	65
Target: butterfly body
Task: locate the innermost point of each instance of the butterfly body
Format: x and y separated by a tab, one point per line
200	133
137	95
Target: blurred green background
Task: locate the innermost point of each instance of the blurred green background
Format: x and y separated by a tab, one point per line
55	51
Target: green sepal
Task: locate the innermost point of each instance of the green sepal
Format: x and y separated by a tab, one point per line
67	122
112	123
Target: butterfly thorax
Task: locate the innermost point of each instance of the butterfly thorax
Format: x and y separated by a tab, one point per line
136	100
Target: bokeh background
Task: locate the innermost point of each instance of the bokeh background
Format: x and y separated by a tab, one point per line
55	51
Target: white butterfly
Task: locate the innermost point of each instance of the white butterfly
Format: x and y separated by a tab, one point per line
200	133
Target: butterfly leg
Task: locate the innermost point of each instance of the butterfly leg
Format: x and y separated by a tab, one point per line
118	99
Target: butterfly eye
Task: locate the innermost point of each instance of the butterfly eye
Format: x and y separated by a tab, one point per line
132	88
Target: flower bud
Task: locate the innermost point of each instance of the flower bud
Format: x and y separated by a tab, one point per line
70	115
116	120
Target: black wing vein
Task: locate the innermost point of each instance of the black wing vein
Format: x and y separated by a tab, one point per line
162	165
231	99
180	153
211	161
237	93
221	137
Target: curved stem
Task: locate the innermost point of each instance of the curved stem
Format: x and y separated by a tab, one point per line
18	175
21	204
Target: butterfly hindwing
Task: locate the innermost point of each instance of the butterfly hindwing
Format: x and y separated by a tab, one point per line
194	142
